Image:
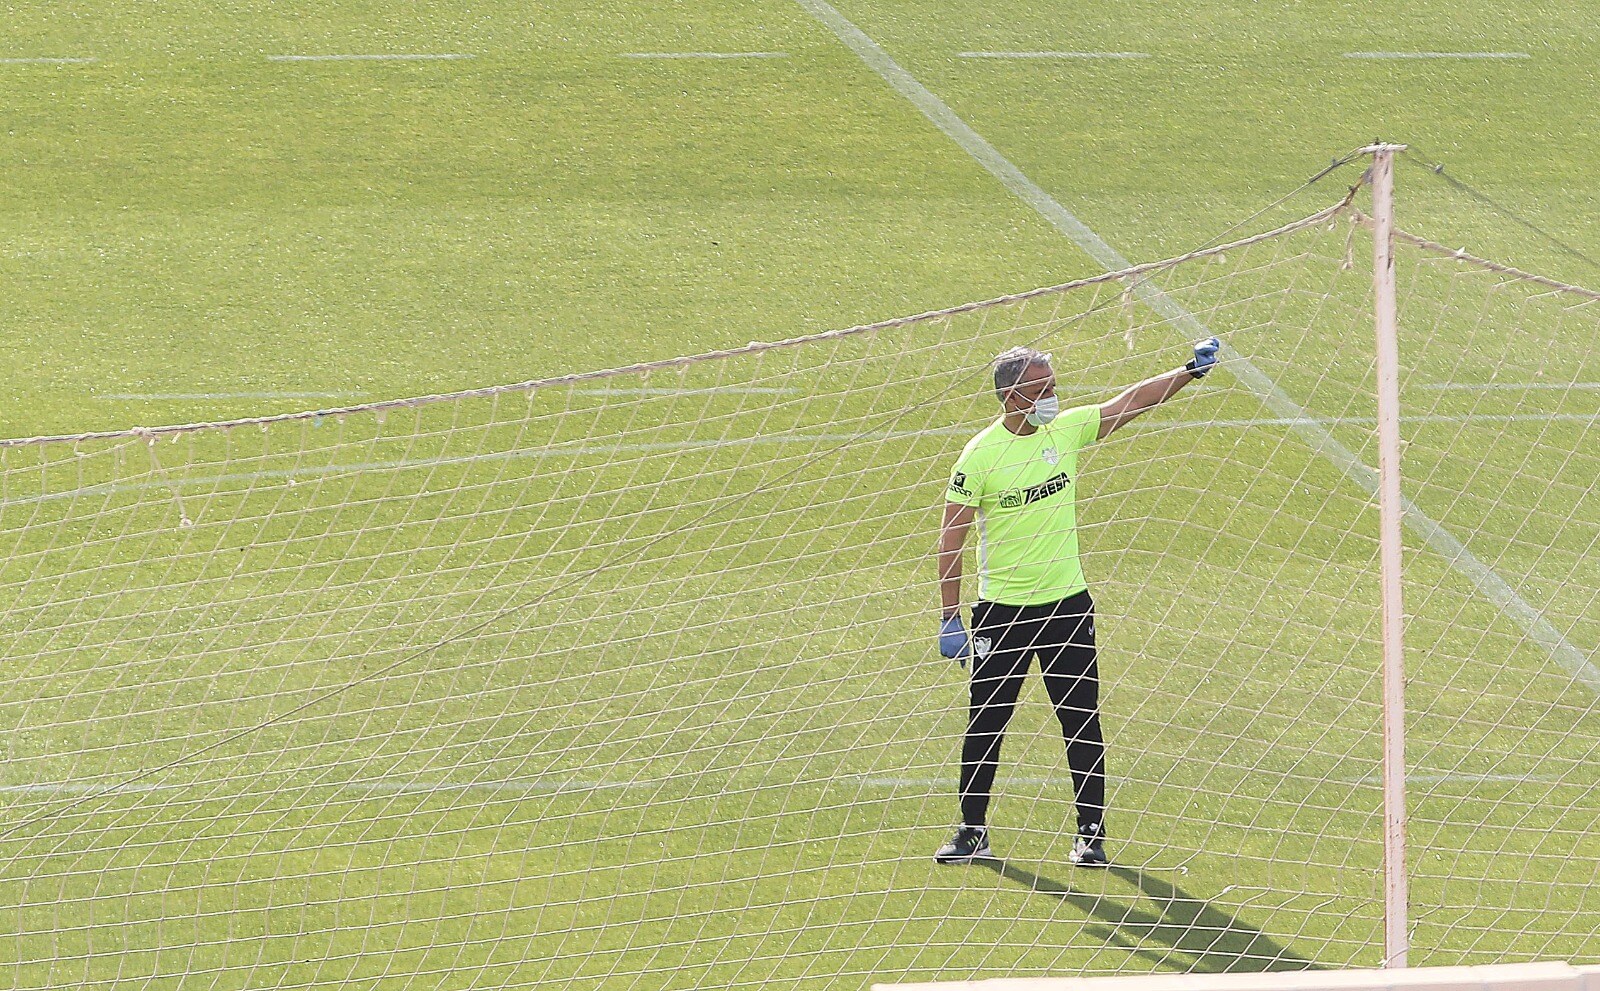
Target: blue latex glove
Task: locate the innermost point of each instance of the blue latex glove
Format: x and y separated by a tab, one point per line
953	641
1205	356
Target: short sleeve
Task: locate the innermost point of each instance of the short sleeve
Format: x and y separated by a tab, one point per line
1081	425
966	482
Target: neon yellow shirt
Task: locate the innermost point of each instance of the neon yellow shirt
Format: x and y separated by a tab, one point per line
1025	491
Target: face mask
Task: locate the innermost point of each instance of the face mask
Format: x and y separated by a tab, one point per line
1044	410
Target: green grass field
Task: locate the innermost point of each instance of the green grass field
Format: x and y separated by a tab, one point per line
629	683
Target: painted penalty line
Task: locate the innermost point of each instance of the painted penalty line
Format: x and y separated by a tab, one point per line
703	55
442	57
588	449
1057	55
515	786
1511	386
735	390
378	787
1488	583
1436	55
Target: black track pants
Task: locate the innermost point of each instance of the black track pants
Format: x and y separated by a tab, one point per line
1061	635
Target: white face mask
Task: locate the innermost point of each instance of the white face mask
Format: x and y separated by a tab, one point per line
1044	410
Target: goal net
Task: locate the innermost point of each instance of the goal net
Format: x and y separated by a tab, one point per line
629	679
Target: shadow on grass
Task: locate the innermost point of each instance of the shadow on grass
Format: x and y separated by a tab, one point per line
1196	934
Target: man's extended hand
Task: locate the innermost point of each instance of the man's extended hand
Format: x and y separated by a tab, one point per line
1205	356
953	642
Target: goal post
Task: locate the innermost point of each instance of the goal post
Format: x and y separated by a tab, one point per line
1396	910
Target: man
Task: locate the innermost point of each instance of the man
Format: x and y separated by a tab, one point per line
1017	480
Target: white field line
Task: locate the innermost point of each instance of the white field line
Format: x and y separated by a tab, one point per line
737	390
614	391
1359	421
575	449
789	391
1057	55
1489	584
185	396
1465	777
579	449
373	787
1508	386
514	786
543	786
421	57
1437	55
47	61
710	55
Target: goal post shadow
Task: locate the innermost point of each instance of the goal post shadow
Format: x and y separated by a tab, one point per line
1212	940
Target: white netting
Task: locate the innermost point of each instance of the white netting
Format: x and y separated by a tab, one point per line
629	680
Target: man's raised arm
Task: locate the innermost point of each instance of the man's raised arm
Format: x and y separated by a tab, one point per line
1152	392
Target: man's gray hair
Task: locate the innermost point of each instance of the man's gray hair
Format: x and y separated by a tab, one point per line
1010	366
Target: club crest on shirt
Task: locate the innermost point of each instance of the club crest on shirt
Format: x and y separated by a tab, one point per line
1052	456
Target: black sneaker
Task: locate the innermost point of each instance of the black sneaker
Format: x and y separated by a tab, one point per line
1090	850
968	844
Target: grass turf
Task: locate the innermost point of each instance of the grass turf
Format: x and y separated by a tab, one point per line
646	780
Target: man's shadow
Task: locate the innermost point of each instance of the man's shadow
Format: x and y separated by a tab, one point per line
1196	934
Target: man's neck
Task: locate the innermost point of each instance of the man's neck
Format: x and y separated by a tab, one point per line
1018	424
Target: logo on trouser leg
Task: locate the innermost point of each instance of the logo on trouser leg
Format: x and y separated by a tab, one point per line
981	646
